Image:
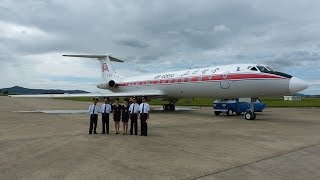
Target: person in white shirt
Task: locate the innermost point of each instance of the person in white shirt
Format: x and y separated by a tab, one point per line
94	110
105	111
144	116
134	111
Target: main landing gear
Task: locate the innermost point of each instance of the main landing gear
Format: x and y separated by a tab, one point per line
250	115
170	107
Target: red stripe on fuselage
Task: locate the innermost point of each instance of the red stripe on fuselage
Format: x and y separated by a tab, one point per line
203	79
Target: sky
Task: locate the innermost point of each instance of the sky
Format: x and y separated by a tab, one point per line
154	36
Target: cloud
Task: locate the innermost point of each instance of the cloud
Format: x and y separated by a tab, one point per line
133	43
153	36
296	58
221	28
19	32
314	82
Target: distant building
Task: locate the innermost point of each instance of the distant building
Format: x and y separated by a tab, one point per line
292	98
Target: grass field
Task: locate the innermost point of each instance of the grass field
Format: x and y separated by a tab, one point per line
271	102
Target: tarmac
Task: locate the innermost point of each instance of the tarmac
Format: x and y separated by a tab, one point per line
282	143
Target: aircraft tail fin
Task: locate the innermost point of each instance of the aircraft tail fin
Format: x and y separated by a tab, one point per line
107	70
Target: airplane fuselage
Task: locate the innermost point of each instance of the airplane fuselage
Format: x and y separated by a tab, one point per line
227	81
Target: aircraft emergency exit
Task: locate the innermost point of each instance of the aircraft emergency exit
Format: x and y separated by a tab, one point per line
225	81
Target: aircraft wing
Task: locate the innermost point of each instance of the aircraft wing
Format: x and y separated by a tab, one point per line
151	93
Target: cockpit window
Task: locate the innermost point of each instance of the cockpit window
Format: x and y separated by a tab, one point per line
254	69
269	68
263	69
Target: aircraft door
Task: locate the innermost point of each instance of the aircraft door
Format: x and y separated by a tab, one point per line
224	83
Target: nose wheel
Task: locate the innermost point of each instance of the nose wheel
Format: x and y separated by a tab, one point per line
250	115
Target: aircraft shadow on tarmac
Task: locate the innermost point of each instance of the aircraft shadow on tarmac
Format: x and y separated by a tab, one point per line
178	109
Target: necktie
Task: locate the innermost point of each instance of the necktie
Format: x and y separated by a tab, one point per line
105	108
133	108
94	107
143	108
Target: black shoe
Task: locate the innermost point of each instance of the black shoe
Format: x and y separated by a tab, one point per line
95	133
123	133
90	133
131	133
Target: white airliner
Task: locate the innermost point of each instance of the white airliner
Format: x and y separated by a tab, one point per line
226	81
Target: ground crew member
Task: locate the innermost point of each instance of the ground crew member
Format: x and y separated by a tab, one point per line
105	111
94	110
116	115
125	116
134	110
144	116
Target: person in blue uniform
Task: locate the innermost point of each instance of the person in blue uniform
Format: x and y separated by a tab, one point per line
134	111
117	115
125	115
105	111
144	116
94	110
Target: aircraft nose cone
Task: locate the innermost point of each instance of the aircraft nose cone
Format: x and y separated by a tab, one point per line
297	85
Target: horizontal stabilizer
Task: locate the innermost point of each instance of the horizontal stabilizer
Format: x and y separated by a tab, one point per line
99	57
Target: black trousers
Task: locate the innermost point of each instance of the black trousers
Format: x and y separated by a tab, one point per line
93	123
105	123
144	125
134	124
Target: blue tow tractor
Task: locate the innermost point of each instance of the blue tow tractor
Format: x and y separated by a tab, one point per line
238	106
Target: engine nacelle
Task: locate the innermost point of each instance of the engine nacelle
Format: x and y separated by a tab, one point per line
112	83
103	86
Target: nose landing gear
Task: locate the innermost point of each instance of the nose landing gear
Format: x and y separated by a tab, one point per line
250	115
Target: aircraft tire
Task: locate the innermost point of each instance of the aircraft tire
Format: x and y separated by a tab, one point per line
217	113
249	115
254	116
172	107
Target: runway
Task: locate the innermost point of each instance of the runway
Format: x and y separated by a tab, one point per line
282	143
